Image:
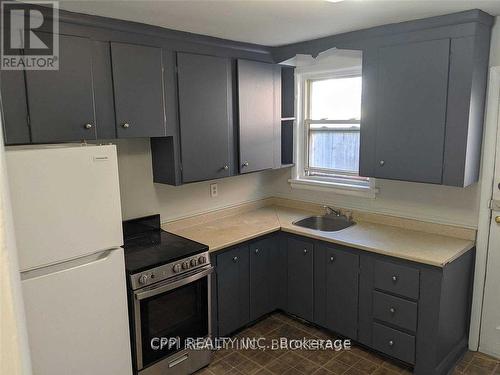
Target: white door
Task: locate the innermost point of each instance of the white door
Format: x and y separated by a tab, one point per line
77	319
489	341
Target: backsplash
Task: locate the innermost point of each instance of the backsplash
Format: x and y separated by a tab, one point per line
140	196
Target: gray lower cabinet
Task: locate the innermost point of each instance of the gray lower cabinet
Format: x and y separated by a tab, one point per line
267	276
300	278
138	90
61	102
412	312
336	274
416	313
233	286
258	114
205	116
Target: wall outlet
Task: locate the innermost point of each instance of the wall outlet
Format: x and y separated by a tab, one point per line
213	190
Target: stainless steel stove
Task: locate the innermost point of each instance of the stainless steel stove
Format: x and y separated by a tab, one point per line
169	279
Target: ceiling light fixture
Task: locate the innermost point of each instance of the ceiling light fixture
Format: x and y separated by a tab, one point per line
334	1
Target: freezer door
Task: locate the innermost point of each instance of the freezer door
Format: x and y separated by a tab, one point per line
77	317
65	202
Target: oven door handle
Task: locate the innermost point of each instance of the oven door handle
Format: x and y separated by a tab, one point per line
155	290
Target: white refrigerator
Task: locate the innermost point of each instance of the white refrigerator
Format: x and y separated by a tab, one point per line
67	220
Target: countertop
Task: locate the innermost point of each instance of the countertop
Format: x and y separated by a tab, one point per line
422	247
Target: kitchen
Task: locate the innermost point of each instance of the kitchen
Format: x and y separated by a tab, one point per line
180	176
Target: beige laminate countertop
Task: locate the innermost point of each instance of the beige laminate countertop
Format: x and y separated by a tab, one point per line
432	249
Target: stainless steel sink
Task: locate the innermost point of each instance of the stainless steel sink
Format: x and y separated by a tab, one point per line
327	223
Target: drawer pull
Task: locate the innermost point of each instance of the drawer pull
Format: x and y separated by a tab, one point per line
332	259
256	251
394	278
391	343
392	310
305	251
235	259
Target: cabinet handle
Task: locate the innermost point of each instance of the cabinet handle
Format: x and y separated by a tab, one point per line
256	251
235	259
392	310
226	167
382	162
88	126
305	251
245	164
497	219
126	125
391	343
394	278
332	259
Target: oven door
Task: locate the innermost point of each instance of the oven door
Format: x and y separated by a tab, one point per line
175	308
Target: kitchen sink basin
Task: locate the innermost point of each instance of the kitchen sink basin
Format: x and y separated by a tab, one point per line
327	223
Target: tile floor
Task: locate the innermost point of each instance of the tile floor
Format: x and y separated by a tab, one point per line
356	361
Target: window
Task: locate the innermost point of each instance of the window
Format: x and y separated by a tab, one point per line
331	113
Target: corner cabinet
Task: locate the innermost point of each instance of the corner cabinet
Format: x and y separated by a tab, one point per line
423	103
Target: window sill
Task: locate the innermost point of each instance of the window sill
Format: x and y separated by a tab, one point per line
334	187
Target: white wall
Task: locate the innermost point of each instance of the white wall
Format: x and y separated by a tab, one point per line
140	196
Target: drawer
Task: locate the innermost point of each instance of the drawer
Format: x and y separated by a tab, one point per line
395	343
397	311
397	279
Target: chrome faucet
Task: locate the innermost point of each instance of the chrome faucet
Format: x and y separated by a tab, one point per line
332	211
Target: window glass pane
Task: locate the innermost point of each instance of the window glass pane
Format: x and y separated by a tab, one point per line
336	99
334	147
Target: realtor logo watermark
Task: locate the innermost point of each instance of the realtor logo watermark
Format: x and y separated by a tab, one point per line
24	46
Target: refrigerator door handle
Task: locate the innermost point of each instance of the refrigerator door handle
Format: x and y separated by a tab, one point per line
67	265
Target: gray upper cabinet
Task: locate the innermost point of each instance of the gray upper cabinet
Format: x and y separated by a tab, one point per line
14	108
411	111
61	103
138	90
423	104
205	116
258	115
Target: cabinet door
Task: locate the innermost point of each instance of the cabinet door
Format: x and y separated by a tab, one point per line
61	102
233	289
257	120
205	116
412	87
300	278
138	87
263	284
14	107
341	306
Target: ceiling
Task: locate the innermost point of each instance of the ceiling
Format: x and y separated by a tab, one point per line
273	22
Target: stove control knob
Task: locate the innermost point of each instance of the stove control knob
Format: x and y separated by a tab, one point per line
185	265
143	279
202	260
194	262
177	267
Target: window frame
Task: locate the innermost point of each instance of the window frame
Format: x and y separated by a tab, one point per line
342	182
